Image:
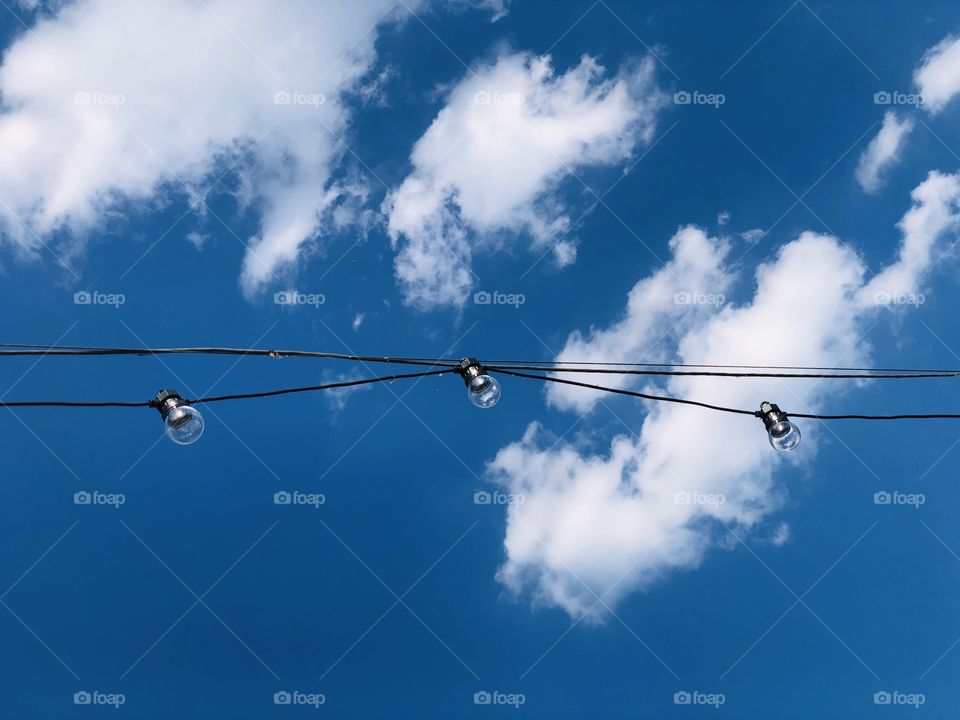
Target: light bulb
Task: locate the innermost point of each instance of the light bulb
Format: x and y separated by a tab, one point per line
783	434
182	422
482	389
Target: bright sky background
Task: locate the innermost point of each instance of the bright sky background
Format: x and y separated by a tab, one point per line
760	182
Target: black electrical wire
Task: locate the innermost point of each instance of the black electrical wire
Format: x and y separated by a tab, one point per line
738	411
65	403
66	350
314	388
631	393
921	416
948	371
743	371
239	396
741	374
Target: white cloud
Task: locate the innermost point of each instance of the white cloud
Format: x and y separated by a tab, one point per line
498	8
781	535
607	523
486	170
938	76
108	101
883	151
198	240
935	211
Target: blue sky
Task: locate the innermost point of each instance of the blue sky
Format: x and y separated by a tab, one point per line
200	597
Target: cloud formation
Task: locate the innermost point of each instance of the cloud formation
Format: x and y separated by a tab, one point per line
107	101
597	525
938	76
883	151
486	171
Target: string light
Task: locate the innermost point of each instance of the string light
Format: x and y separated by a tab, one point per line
184	424
783	434
482	389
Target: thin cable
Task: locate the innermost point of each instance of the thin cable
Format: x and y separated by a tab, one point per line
54	350
221	398
728	367
754	413
711	373
10	349
618	391
314	388
927	416
57	403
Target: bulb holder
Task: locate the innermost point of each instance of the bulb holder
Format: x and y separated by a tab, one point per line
771	414
167	400
470	368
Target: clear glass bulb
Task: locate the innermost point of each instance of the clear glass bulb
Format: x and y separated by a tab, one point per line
784	435
484	391
183	424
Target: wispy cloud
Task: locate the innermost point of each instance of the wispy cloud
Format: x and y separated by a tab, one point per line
486	171
883	151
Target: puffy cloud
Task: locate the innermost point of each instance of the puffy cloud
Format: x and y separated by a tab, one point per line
601	524
883	151
106	101
938	76
487	168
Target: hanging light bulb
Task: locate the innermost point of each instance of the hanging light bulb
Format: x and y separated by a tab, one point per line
784	435
482	389
182	422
